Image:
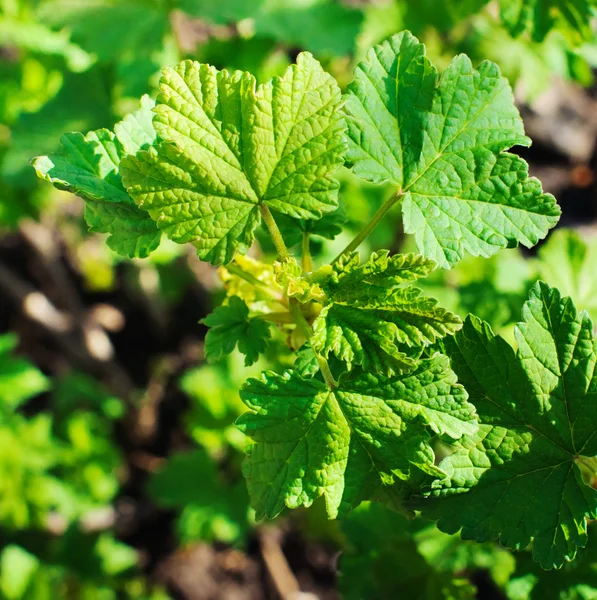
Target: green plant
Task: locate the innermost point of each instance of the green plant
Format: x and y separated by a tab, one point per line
58	473
390	397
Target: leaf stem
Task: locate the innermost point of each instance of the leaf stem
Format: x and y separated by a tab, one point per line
272	227
377	217
301	322
306	256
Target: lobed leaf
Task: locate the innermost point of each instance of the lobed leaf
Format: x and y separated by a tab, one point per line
518	478
230	326
345	443
89	166
368	319
229	146
349	280
441	142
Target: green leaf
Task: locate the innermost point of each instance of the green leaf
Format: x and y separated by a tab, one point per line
450	553
81	104
440	141
373	338
369	320
228	147
320	26
231	326
351	281
568	262
89	167
519	478
539	17
221	12
444	16
306	363
110	30
19	379
346	442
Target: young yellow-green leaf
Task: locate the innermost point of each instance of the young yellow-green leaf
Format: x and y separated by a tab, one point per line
520	478
229	146
369	320
441	142
230	326
344	443
572	17
88	166
350	281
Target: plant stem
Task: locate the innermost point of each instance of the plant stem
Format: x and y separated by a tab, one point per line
377	217
299	319
270	223
307	260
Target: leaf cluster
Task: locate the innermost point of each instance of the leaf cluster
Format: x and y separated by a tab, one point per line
384	377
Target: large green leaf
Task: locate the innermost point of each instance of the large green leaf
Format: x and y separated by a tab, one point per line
441	142
89	167
346	442
519	478
228	147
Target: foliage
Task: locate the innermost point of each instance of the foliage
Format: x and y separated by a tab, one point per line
286	136
58	470
228	152
211	510
535	433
